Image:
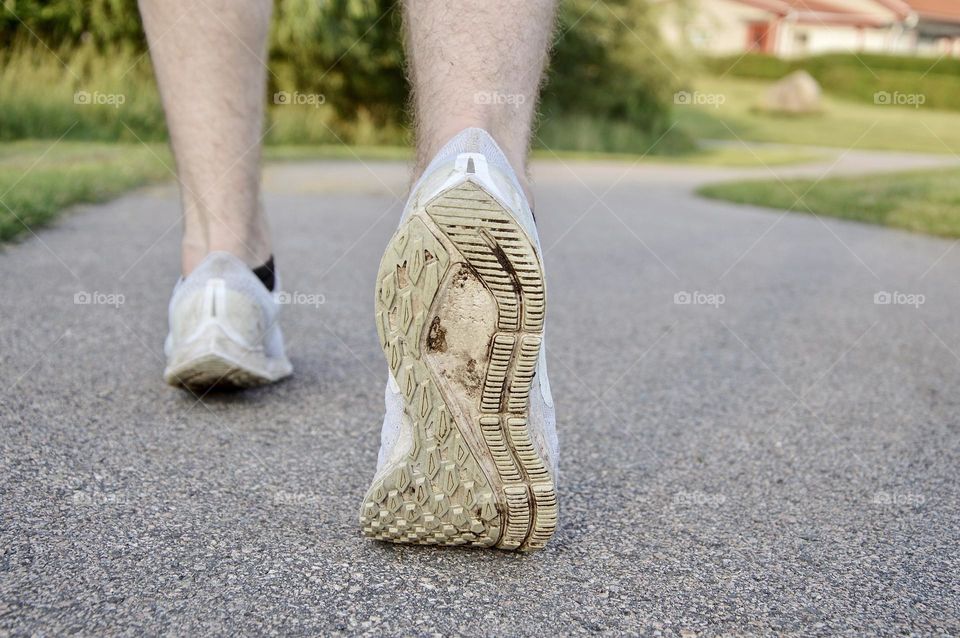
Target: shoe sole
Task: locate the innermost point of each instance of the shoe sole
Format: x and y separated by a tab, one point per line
460	307
215	362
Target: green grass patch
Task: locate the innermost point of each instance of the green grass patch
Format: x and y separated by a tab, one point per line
90	96
919	201
859	76
307	152
592	134
740	156
842	124
39	179
719	156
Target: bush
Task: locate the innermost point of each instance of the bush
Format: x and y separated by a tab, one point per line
64	23
608	63
348	50
609	74
752	65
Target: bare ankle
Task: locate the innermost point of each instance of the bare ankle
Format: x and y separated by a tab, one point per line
512	143
249	242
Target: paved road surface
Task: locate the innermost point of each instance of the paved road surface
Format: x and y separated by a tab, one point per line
785	461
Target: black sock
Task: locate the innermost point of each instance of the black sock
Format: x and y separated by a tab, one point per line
265	273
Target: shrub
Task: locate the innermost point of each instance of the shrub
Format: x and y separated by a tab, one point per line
608	67
601	68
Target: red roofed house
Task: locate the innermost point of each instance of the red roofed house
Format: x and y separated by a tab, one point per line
793	28
936	26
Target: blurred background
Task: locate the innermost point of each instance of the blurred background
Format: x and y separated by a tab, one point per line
714	82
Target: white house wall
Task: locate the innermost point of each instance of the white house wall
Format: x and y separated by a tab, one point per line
719	27
797	40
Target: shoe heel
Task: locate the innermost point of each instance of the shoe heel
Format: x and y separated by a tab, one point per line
460	306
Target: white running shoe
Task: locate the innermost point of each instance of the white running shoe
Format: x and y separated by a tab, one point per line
223	328
468	451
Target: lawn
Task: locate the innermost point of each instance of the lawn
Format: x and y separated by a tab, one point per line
842	124
919	201
39	178
733	156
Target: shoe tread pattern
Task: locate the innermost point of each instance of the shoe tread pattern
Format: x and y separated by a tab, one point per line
503	256
439	493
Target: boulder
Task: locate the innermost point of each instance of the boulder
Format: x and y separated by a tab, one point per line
797	93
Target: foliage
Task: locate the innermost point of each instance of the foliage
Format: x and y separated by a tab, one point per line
609	65
62	23
348	50
610	77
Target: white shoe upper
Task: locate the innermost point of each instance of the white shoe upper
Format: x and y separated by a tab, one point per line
488	167
222	295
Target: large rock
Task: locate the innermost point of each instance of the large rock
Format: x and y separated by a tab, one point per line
797	93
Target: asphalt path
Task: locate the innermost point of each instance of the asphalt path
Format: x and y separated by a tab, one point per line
778	455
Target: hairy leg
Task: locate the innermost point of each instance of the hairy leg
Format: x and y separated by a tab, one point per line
477	64
210	64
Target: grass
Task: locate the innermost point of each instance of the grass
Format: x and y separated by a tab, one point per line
918	201
585	133
40	98
843	124
306	152
705	156
97	98
39	179
858	76
732	156
113	97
